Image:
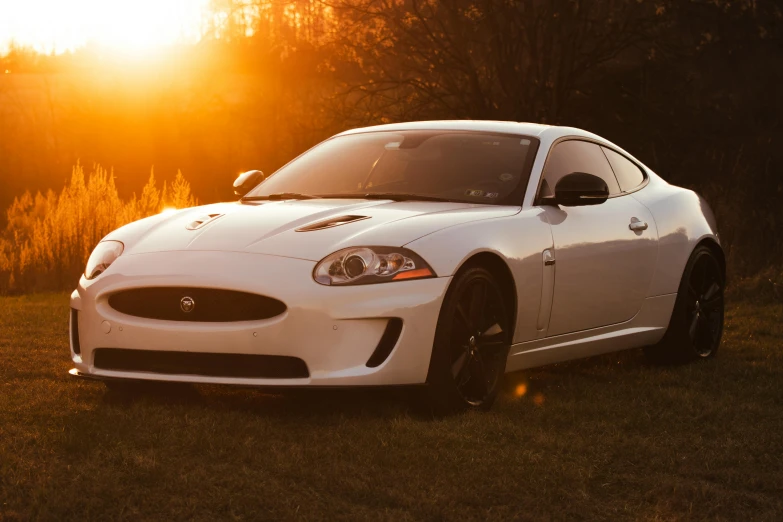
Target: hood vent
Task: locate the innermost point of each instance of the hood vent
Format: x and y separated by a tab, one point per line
202	221
330	223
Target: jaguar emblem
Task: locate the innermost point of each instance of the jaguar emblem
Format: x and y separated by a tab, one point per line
187	304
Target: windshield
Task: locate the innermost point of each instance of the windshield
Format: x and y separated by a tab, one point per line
474	167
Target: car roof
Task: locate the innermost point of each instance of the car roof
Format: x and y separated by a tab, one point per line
507	127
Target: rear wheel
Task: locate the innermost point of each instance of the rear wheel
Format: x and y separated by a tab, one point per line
471	345
696	326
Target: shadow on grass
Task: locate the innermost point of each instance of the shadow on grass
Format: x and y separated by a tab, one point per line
623	368
273	402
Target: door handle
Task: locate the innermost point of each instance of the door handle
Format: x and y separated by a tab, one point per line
637	225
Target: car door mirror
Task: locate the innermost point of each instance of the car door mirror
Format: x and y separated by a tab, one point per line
247	181
579	188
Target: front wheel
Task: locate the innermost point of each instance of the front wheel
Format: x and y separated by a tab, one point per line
471	346
696	325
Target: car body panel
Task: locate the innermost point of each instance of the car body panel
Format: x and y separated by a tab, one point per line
518	240
271	227
645	328
683	220
603	269
334	330
610	288
502	127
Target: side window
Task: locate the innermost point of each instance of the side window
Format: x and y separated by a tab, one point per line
628	174
576	156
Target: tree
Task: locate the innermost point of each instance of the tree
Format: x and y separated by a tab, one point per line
488	59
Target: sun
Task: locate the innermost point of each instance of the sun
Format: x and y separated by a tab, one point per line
127	26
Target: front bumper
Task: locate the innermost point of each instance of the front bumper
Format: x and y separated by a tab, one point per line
334	330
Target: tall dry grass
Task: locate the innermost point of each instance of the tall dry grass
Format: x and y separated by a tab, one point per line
49	236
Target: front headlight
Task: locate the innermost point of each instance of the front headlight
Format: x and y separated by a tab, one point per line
367	265
104	255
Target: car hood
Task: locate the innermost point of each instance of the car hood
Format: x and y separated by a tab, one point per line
271	227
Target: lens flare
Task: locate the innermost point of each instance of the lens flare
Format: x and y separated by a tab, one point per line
127	26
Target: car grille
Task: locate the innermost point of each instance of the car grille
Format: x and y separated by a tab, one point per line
208	304
205	364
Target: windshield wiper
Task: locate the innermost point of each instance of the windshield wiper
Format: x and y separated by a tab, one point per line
394	196
280	196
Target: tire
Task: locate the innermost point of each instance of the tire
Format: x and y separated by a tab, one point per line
696	325
472	341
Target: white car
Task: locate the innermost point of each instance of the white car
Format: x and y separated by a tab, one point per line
433	253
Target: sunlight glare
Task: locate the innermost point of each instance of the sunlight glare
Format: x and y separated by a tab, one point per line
125	26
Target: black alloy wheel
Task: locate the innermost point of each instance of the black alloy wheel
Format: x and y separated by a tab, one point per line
705	305
471	345
696	326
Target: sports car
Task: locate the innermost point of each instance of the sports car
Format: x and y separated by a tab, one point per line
436	254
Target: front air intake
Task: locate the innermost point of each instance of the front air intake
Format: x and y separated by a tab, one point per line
202	221
238	365
387	343
209	305
75	344
331	223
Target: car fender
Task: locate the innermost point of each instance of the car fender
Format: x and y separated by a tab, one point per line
684	219
519	241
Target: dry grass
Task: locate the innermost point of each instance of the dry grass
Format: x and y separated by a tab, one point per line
48	238
606	438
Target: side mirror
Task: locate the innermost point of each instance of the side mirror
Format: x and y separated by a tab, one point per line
247	181
579	188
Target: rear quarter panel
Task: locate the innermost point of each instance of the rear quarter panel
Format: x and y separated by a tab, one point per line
683	219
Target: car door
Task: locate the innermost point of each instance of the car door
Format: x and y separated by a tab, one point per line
604	255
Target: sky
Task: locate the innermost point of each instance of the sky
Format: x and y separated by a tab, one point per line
128	26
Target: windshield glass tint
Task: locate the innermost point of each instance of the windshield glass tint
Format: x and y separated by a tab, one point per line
475	167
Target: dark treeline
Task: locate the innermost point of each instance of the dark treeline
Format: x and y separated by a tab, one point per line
691	87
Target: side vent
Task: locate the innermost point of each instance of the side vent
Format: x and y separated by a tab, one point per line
330	223
202	221
387	343
77	348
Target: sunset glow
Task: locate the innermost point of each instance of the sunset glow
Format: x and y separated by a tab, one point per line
126	26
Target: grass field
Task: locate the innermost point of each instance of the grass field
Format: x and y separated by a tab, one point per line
605	438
